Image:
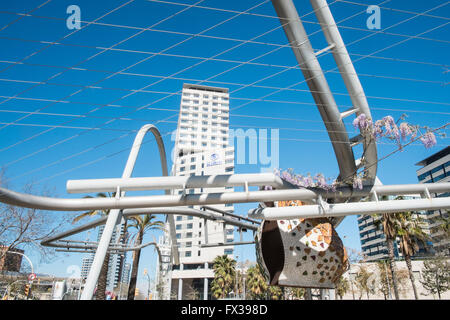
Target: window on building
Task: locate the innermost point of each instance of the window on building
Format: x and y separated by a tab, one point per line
187	254
189	226
189	235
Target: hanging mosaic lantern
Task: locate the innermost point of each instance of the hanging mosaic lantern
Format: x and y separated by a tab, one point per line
300	252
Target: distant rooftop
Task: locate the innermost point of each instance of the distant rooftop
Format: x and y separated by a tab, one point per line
434	157
204	88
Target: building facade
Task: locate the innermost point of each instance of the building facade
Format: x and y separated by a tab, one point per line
373	240
434	169
86	266
116	261
10	261
201	148
378	275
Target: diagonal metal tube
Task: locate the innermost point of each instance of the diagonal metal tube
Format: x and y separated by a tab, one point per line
317	84
115	214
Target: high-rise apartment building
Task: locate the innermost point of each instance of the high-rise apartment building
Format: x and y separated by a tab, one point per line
201	148
373	240
116	261
86	266
10	260
126	273
436	168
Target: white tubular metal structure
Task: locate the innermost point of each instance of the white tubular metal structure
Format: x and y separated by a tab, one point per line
352	83
208	215
176	182
320	203
346	209
115	215
318	84
307	195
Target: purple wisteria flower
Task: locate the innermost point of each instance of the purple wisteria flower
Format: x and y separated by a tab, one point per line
357	183
428	139
405	130
362	122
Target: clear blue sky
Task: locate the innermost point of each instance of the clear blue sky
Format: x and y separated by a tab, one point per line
404	74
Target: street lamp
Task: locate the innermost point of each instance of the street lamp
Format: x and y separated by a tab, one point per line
148	277
30	281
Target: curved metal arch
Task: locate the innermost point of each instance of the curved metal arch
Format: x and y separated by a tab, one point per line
116	214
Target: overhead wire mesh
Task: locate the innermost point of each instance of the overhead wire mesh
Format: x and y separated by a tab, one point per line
93	98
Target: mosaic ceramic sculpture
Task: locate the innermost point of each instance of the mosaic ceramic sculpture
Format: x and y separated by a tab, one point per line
301	252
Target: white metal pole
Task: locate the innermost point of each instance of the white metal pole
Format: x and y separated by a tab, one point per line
346	209
100	254
116	214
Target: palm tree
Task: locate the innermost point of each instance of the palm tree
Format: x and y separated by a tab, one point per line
342	286
388	222
256	284
409	231
142	224
363	281
274	293
224	276
385	279
294	293
100	293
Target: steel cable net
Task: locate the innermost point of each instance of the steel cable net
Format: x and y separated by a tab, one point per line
74	89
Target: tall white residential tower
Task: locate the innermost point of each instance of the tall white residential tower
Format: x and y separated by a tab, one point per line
201	148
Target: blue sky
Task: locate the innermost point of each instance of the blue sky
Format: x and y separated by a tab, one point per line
70	108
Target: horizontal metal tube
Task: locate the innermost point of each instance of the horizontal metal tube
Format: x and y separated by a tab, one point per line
346	209
175	182
58	204
50	242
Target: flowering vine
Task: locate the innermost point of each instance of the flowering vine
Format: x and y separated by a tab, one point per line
387	127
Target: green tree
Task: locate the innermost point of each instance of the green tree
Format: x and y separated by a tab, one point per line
142	224
224	276
385	283
364	282
294	293
342	286
100	292
274	293
436	275
410	231
388	222
256	283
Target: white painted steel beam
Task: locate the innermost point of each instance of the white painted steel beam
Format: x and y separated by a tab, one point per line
176	182
350	77
318	85
346	209
61	204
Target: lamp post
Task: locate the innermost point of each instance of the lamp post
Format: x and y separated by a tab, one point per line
31	264
148	277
